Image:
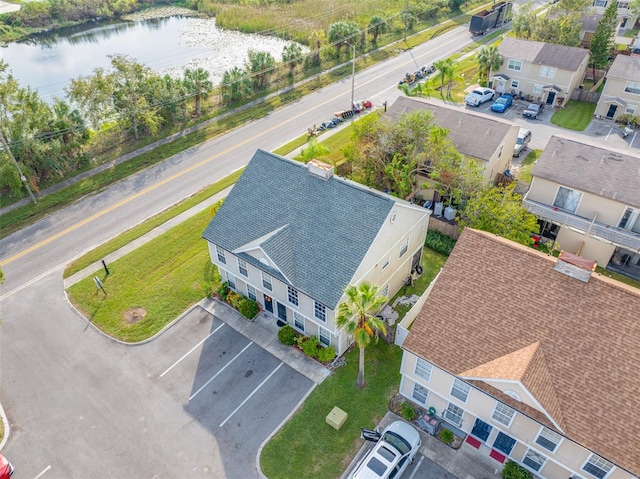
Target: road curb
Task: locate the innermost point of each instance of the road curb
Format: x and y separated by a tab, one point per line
5	425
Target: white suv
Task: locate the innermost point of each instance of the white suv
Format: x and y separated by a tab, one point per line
479	96
394	451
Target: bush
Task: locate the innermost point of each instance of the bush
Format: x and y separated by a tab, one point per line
326	354
234	299
248	308
287	335
310	347
223	290
514	470
439	242
446	436
408	411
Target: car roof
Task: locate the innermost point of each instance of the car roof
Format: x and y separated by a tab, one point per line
483	89
523	131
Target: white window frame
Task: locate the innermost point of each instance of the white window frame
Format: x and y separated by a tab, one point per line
515	84
632	87
385	291
221	255
631	109
537	89
423	369
600	3
548	72
550	436
324	336
419	391
298	321
267	281
624	5
242	268
231	279
251	293
404	248
503	414
599	463
515	65
451	414
320	311
536	457
292	295
461	388
567	204
386	262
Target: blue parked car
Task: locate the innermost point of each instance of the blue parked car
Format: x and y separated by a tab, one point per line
502	103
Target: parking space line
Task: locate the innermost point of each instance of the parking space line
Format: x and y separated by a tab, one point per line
218	373
192	349
417	466
46	469
250	395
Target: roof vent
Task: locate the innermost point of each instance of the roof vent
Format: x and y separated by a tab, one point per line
575	266
320	169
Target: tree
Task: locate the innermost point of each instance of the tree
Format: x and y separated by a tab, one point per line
489	58
357	315
445	69
315	40
260	66
341	34
313	150
634	7
499	210
198	84
292	55
236	85
602	41
524	22
377	25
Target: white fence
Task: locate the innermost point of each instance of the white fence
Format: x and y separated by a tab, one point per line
404	326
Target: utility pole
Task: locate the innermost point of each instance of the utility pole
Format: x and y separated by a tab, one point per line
5	146
353	71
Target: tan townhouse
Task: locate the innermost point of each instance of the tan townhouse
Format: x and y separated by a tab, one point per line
621	93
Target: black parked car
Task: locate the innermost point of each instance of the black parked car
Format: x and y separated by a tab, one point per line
533	110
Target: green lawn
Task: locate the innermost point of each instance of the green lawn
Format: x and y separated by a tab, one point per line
575	116
524	172
308	447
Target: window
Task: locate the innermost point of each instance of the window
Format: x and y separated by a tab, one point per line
547	72
242	267
266	281
537	89
632	87
567	199
404	248
251	292
385	291
503	414
631	109
420	393
320	312
533	460
221	256
548	439
514	65
292	295
231	280
324	336
600	3
515	84
298	321
454	414
385	263
423	369
630	220
597	467
460	390
624	5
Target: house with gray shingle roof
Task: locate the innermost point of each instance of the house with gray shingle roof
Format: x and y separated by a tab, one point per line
530	358
587	199
490	141
292	236
541	72
621	93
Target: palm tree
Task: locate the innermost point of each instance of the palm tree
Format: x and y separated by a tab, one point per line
197	82
377	25
292	55
314	150
260	66
444	67
489	58
357	316
236	85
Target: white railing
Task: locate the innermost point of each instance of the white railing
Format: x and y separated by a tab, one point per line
402	330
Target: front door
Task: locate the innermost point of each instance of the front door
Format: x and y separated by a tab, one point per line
282	312
551	97
611	112
268	303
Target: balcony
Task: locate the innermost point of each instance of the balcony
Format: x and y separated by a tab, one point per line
600	231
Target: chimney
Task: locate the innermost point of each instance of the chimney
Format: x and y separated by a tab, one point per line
575	266
320	169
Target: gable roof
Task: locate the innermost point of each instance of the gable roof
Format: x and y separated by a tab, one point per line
316	231
625	68
589	168
539	53
488	133
578	343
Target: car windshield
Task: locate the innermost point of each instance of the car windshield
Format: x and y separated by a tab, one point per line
519	141
501	101
533	107
397	441
477	92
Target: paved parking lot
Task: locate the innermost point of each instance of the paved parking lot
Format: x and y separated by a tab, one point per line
231	386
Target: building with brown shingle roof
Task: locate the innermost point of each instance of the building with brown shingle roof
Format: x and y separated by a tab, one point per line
532	358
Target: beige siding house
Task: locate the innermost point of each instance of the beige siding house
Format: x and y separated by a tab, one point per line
530	358
487	141
588	200
626	18
541	72
621	92
292	236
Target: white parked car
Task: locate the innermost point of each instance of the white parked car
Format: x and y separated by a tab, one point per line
479	96
394	451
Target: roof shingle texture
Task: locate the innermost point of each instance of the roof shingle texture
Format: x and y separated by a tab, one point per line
316	231
607	173
472	135
494	298
625	68
539	53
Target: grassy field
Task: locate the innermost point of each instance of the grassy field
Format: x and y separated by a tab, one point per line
318	450
524	172
575	116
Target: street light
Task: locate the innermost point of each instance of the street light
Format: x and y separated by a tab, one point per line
353	72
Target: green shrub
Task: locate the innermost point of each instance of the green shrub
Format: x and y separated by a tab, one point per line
439	242
223	290
287	335
310	347
446	436
234	299
408	411
514	470
248	308
326	354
